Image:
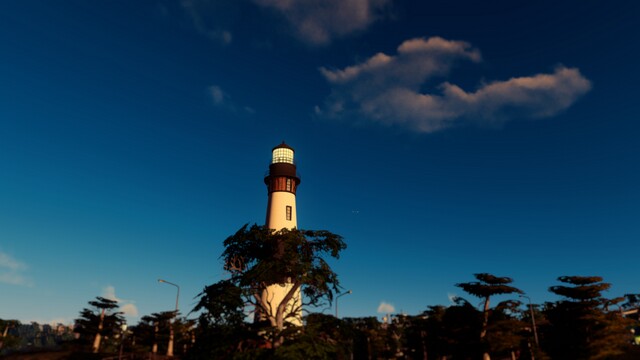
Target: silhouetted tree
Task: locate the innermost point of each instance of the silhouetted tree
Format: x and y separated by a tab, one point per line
580	327
368	336
461	324
102	320
506	335
153	331
323	337
487	286
8	340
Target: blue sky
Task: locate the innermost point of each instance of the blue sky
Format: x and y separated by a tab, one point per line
440	138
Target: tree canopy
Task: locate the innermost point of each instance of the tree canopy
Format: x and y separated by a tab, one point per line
101	321
257	257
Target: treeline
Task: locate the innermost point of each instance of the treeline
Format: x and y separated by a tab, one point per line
33	336
581	325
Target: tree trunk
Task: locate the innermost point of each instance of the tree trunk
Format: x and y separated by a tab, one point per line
4	335
170	346
485	318
154	348
98	338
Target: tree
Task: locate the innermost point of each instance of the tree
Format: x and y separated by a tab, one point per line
256	258
368	336
154	329
460	325
487	286
580	326
103	320
506	333
323	337
7	340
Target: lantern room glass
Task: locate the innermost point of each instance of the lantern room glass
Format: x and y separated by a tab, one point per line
282	155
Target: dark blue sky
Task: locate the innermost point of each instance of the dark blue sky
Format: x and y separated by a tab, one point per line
440	138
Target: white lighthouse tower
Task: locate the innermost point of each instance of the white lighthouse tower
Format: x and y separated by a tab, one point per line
282	182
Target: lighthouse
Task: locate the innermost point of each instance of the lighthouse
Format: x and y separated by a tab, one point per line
282	181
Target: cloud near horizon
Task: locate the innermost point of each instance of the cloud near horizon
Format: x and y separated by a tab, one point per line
318	22
11	271
387	89
128	307
386	308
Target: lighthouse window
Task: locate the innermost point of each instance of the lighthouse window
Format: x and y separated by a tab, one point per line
289	213
288	184
282	155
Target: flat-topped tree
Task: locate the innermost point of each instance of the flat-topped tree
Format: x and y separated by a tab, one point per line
102	321
582	325
487	286
583	288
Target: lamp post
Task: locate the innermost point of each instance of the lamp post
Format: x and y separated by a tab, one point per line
338	297
533	320
170	346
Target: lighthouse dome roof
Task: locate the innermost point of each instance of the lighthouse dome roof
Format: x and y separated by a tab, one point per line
283	146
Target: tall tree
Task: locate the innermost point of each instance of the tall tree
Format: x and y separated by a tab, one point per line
101	320
488	285
580	326
256	258
153	330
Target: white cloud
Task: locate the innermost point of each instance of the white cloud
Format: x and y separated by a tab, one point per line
320	21
223	101
128	307
129	310
11	271
388	89
386	308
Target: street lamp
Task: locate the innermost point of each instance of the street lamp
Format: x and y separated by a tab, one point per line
170	347
533	320
338	297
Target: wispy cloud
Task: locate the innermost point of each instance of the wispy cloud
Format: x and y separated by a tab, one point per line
222	100
212	18
11	271
386	308
128	307
318	22
387	89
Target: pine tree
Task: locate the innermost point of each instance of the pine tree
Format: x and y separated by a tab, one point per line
581	326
